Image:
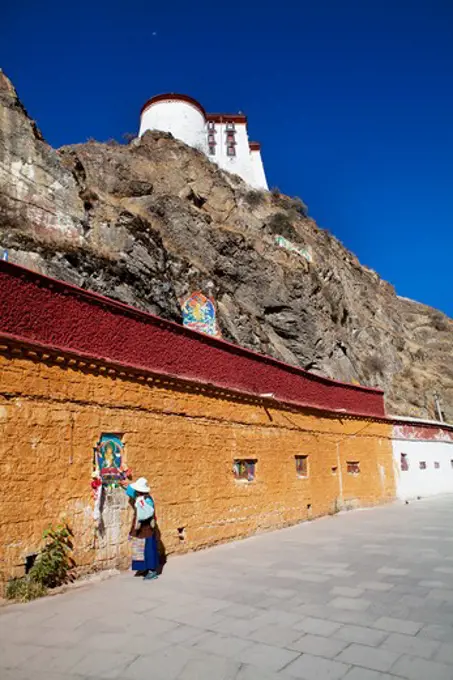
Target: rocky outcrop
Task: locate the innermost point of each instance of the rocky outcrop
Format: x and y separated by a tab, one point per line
152	220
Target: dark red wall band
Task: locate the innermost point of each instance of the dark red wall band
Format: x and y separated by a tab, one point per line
63	317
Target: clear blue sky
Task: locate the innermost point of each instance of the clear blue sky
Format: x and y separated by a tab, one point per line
352	101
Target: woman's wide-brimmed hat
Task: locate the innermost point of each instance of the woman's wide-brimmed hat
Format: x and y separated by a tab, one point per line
141	485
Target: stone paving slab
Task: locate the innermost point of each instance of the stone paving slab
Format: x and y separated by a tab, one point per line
365	595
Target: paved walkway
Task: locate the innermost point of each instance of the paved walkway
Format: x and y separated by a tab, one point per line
367	595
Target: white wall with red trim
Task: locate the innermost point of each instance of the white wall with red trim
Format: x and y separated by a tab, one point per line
186	122
423	459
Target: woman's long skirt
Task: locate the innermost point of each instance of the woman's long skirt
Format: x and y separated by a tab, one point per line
145	555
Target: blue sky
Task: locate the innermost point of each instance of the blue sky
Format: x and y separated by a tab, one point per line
352	101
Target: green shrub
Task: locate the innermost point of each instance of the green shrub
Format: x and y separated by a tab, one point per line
52	567
54	562
24	589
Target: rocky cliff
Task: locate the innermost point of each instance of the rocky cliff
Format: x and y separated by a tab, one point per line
150	221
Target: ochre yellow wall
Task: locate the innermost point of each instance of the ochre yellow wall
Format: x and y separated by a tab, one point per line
184	441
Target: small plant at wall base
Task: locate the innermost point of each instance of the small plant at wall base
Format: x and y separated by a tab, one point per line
54	563
24	589
52	567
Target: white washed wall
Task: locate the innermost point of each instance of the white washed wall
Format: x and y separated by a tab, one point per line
183	120
259	177
187	123
416	482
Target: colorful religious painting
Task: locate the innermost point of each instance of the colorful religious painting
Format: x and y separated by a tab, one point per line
199	314
109	458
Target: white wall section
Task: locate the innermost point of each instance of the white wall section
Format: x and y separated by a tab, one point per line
423	460
214	134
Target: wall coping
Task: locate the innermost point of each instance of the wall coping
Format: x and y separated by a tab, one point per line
421	422
173	96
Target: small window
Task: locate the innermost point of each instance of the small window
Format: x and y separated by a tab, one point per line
211	125
211	139
334	469
353	467
302	466
231	151
422	465
211	150
230	126
244	470
451	463
437	465
404	462
230	137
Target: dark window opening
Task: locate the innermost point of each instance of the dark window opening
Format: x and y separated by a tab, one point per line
302	466
182	533
29	562
212	150
404	462
244	470
437	465
422	465
334	469
231	151
353	467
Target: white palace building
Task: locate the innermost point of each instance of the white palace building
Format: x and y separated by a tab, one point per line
221	136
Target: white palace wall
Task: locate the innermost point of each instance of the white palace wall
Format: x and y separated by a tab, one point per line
182	119
241	163
423	459
259	177
186	120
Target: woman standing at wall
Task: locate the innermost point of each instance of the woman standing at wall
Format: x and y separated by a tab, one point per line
145	556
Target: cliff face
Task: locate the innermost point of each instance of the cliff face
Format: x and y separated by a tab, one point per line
151	221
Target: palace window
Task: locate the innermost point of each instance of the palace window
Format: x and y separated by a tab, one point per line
230	126
211	150
422	465
211	139
230	137
301	466
244	469
353	467
231	151
436	465
404	462
211	125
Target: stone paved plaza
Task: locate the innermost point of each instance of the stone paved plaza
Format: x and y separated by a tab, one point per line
365	595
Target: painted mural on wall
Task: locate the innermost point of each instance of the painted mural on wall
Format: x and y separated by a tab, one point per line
282	242
109	469
109	458
199	314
